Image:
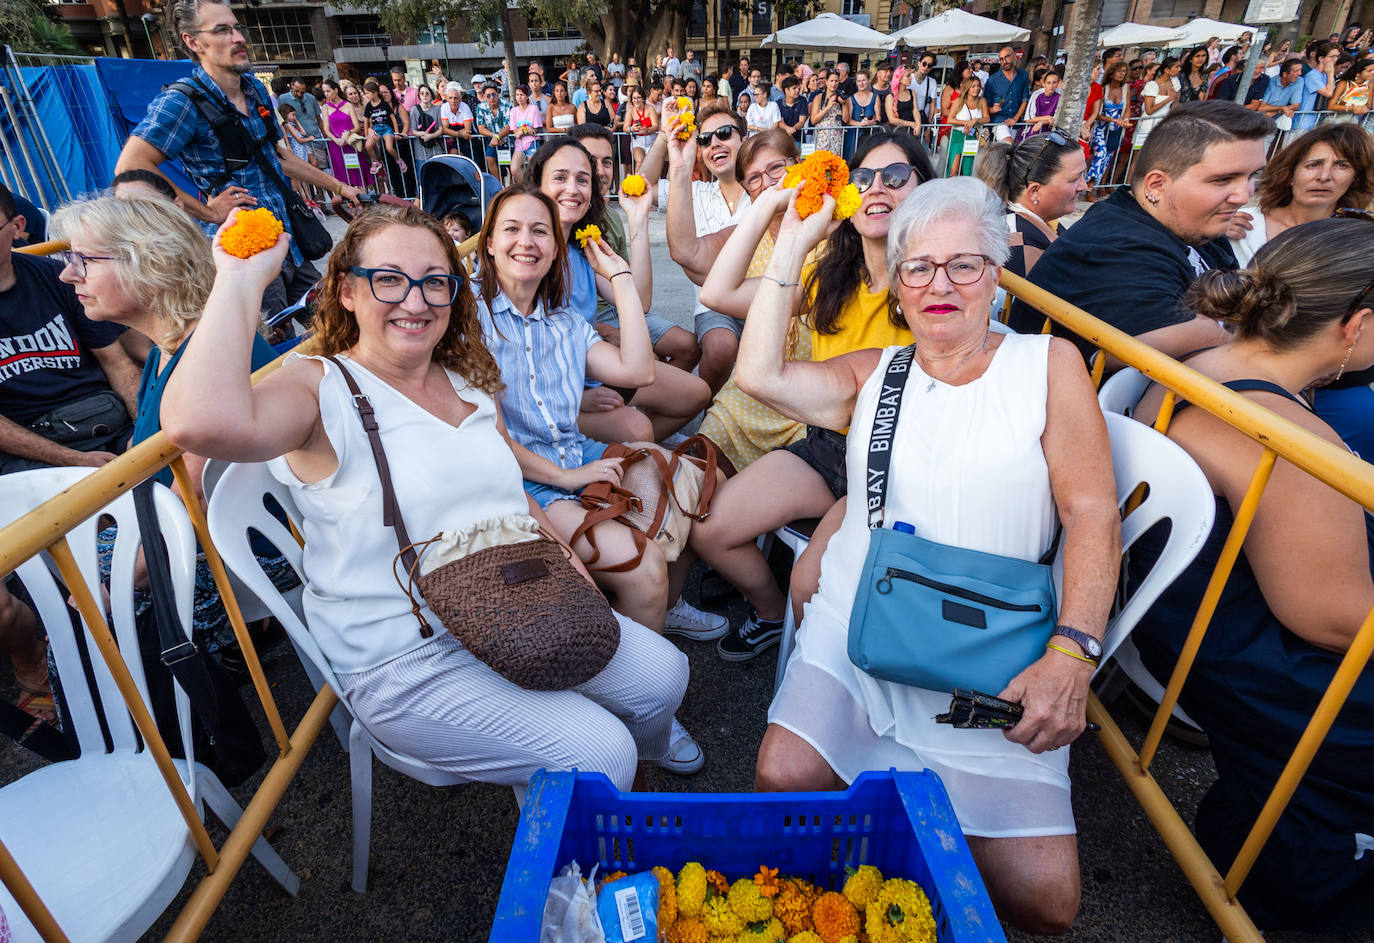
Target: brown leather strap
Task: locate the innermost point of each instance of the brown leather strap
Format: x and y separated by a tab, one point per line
613	506
391	510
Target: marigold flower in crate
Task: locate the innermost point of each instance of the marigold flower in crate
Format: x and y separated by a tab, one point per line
686	930
252	232
863	885
634	185
805	936
586	234
667	896
767	881
834	917
847	203
900	914
747	901
717	882
763	931
691	889
719	919
793	904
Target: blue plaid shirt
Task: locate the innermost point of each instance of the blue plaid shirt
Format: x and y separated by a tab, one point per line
543	359
175	126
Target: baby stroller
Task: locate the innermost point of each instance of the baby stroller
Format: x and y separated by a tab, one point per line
453	184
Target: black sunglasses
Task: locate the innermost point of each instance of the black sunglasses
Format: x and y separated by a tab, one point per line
722	133
894	176
1054	137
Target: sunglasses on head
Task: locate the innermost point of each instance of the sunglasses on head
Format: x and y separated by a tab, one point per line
722	133
894	176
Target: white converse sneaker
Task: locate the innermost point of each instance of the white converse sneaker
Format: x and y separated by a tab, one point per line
684	755
688	621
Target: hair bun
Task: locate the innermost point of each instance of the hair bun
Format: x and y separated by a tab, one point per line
1252	299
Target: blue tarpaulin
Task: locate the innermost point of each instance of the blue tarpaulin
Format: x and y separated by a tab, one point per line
86	112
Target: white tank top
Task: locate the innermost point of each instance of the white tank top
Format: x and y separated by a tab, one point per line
967	465
445	478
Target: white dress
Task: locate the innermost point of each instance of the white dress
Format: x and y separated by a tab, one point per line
968	470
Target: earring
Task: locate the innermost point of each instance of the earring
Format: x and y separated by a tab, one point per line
1154	200
1348	351
1035	200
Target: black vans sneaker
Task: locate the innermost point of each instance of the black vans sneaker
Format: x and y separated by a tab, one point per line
753	637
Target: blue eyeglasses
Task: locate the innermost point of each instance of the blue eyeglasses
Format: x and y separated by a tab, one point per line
392	287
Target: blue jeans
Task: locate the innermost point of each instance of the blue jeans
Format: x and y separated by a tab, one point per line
544	495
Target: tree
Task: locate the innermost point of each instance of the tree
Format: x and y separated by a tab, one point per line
26	27
1078	66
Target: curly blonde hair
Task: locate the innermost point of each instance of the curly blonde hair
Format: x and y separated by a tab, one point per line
162	257
461	349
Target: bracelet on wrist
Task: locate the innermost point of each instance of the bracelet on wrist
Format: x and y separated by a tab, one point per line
617	275
1065	651
780	282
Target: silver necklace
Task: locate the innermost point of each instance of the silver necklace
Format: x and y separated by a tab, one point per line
960	364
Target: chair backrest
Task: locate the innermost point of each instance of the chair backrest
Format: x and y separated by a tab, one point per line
1122	391
1176	490
21	492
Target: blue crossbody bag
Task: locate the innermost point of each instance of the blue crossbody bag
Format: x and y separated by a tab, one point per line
935	616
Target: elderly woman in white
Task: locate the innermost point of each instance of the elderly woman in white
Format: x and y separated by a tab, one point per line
996	433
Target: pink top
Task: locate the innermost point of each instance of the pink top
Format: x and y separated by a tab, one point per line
528	115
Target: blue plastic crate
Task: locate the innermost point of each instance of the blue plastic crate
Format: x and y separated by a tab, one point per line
900	822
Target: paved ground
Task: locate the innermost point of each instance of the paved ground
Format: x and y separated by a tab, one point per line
438	855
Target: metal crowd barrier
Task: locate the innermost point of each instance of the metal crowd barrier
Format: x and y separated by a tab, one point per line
1279	438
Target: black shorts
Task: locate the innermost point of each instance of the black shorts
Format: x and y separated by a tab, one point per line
824	450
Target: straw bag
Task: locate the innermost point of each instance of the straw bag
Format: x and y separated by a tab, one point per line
505	590
658	498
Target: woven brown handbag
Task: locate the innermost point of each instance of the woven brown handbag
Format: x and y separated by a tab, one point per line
658	498
522	608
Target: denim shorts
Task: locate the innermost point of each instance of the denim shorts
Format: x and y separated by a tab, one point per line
658	326
710	320
824	450
544	495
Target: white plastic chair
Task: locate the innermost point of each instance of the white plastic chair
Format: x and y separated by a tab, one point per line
1178	491
1119	396
100	837
235	507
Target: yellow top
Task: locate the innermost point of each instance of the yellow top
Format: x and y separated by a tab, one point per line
863	324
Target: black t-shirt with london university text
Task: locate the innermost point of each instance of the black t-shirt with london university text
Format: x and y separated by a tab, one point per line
46	342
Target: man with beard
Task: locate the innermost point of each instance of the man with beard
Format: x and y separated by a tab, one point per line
175	128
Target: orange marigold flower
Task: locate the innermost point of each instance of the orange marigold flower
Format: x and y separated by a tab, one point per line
586	234
821	173
686	930
793	905
605	879
252	232
717	882
667	896
767	880
834	917
634	185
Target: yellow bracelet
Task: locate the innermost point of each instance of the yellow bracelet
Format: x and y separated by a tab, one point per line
1065	651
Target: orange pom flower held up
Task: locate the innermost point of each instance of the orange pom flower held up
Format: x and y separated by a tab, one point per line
821	173
253	231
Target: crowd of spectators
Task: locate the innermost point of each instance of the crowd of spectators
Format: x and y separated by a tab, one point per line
504	377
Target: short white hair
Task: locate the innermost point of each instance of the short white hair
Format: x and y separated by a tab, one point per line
965	200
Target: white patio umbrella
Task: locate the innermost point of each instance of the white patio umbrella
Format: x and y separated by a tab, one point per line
1198	31
1140	34
831	32
957	28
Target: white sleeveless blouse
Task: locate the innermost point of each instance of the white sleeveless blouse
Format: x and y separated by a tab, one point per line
446	477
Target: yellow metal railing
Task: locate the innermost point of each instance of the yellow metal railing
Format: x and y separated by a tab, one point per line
44	530
1279	438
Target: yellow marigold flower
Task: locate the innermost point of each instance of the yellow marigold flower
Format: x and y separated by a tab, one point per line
767	881
667	896
834	917
847	203
764	931
586	234
719	919
689	126
691	889
863	885
805	936
717	882
900	913
633	185
748	902
252	232
684	103
793	905
686	930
